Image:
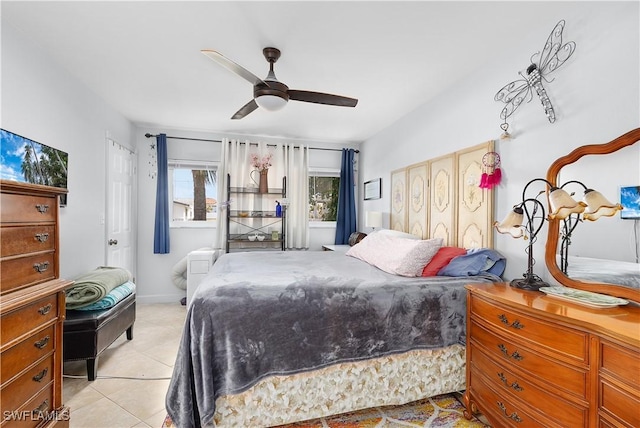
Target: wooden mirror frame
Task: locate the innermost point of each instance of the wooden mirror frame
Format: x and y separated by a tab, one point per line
625	140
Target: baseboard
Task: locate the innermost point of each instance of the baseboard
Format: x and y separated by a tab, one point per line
160	298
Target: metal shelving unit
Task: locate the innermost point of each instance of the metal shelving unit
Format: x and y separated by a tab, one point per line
243	225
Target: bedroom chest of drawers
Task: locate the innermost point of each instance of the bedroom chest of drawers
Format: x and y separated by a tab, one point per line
534	360
32	307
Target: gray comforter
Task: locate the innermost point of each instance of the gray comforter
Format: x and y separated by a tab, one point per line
260	314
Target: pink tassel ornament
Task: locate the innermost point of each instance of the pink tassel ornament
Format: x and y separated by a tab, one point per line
497	176
492	174
484	180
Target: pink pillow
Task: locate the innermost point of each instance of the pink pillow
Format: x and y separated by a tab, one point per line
441	259
398	256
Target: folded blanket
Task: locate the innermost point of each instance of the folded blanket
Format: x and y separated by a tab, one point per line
95	285
477	261
112	298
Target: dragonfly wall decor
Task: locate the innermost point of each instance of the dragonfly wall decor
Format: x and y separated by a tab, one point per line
553	55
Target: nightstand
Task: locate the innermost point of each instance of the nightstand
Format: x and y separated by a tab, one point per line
339	248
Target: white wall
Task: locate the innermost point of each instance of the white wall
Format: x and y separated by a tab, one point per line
595	94
43	102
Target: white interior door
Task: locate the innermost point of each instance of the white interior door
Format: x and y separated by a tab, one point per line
121	179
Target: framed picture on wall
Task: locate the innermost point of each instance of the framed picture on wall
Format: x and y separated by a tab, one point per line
373	189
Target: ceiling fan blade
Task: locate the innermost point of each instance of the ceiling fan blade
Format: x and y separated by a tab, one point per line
320	98
232	66
245	110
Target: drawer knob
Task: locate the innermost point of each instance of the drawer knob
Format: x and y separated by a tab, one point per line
41	375
45	309
42	342
513	385
42	208
41	408
515	355
516	324
41	267
42	237
513	416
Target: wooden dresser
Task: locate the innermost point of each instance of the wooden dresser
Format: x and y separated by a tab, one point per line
32	307
535	360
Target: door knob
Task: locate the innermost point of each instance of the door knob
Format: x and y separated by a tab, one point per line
113	242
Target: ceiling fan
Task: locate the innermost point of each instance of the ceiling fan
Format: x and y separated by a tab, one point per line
270	93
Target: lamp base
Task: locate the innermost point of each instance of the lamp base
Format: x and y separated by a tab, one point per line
532	282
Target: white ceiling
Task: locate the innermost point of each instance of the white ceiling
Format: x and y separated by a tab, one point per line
144	57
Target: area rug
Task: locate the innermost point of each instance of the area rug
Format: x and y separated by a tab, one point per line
439	411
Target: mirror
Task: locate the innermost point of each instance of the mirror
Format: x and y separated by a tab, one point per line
589	240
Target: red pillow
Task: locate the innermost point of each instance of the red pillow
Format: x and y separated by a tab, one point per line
441	259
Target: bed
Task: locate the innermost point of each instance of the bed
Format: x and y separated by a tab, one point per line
274	338
604	271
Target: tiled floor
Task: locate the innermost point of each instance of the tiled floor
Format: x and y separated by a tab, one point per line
133	376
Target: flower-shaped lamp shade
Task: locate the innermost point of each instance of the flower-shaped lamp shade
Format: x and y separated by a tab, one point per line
512	223
563	205
598	205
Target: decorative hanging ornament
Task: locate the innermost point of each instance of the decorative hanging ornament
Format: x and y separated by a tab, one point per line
553	55
491	173
505	133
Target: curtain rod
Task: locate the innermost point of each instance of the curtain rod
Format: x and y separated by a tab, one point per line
219	141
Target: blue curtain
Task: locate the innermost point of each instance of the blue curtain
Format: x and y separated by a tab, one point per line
346	221
161	232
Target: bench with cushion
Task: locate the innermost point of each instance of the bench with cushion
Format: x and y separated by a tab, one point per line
88	333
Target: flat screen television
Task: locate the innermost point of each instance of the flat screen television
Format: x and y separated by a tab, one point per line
630	201
28	161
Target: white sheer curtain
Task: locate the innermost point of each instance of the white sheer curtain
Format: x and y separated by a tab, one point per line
287	161
294	161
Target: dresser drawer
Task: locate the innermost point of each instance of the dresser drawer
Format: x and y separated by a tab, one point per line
537	367
25	271
17	358
511	385
27	239
622	364
552	338
16	393
28	318
27	208
33	413
617	402
502	411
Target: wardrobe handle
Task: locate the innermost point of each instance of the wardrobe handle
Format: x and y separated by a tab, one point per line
42	237
41	267
42	342
40	376
515	355
516	324
43	407
42	208
513	416
513	385
45	309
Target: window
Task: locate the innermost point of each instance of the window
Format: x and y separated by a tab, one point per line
192	193
323	196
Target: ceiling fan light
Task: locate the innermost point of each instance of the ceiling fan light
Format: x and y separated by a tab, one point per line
271	102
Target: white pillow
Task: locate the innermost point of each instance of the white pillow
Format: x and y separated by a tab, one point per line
399	256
